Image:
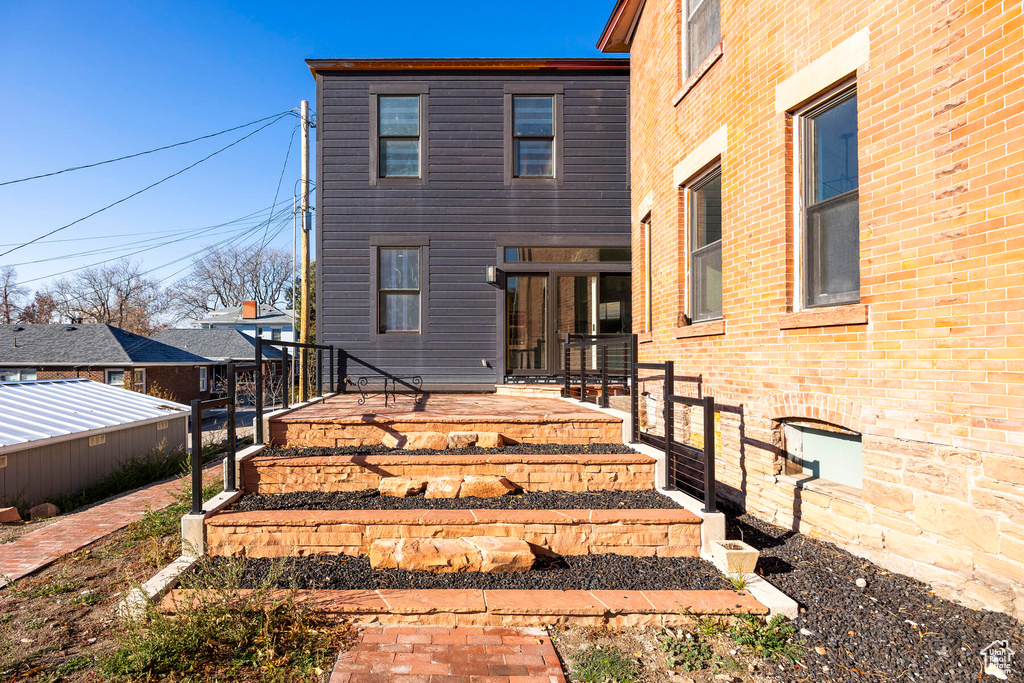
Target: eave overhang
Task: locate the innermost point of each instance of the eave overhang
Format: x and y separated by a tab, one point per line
318	65
617	35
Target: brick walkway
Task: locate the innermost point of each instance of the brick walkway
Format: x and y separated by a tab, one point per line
437	654
37	549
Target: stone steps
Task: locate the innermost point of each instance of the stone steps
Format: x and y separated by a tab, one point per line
615	609
292	533
611	472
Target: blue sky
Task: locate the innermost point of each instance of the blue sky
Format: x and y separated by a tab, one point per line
87	81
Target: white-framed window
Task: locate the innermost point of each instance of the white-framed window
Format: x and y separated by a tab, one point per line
829	207
398	289
17	374
203	378
703	32
115	378
134	380
275	334
704	262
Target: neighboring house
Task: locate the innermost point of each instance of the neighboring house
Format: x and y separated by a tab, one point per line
62	435
273	323
220	347
103	353
827	231
470	213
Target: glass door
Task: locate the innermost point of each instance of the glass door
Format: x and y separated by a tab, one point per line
576	313
526	336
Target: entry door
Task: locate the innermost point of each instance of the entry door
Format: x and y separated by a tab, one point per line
577	312
526	335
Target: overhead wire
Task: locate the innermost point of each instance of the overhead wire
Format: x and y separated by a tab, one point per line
139	154
148	187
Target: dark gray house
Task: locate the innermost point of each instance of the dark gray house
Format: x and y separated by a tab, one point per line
471	212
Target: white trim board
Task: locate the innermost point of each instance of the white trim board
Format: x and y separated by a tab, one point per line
703	154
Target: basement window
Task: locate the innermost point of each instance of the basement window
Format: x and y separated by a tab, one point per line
823	454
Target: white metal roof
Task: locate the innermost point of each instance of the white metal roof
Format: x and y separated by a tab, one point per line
35	412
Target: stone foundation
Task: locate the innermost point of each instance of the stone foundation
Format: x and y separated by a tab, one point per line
516	608
295	533
628	472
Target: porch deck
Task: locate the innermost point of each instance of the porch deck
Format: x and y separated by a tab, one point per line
341	421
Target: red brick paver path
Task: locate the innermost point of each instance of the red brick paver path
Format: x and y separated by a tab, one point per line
37	549
438	654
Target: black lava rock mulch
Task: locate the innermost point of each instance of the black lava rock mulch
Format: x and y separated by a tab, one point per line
893	629
512	449
580	572
370	499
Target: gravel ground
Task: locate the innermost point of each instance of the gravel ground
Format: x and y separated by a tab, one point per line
370	499
519	448
893	629
577	572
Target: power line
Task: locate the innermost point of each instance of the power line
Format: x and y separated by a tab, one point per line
284	167
148	187
139	154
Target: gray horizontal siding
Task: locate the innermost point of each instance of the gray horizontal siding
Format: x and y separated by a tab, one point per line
465	209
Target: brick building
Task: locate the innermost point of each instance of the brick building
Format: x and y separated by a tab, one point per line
828	230
103	353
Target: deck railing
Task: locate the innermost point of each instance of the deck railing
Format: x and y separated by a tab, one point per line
602	360
288	378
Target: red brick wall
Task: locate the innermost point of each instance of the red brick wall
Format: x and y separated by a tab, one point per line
181	382
934	380
64	373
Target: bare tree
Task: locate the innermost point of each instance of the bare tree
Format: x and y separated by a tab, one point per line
117	294
11	294
227	276
43	309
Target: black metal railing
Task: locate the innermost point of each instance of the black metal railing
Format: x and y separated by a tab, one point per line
687	468
288	377
200	406
602	360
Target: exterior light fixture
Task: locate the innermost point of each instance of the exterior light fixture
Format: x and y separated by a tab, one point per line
492	275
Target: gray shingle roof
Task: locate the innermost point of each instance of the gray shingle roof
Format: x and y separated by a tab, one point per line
215	344
268	315
86	344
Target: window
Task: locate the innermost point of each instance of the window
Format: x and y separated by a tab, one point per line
136	379
17	374
275	334
648	278
831	228
533	136
703	31
567	254
398	136
705	199
398	289
828	455
115	378
202	379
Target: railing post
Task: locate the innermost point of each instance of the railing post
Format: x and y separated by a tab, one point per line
197	457
566	380
230	484
604	375
669	414
710	502
634	392
286	377
332	380
583	373
319	372
258	378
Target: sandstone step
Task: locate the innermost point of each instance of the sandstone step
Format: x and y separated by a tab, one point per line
613	472
488	554
293	533
530	390
515	608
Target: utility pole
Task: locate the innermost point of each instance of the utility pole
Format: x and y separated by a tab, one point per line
304	212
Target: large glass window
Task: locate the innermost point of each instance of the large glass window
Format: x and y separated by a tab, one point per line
533	136
706	248
567	254
398	132
831	206
703	31
398	289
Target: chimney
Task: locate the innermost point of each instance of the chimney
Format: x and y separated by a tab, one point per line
249	310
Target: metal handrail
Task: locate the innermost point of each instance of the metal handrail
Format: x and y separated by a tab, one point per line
583	343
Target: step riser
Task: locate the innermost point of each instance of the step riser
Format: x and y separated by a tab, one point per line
616	609
283	477
260	535
320	434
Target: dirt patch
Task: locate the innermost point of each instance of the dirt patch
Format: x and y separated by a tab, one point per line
12	532
580	647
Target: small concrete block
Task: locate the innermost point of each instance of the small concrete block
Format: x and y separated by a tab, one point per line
9	516
43	511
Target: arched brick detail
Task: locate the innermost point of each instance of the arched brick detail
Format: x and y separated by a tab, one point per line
810	405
